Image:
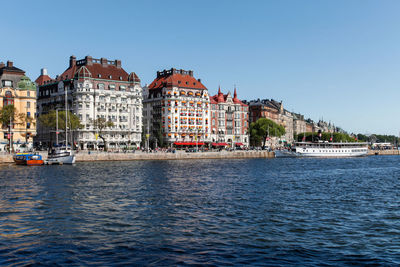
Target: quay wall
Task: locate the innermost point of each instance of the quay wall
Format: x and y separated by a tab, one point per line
384	152
84	156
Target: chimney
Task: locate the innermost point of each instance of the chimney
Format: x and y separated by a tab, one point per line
43	72
118	63
199	80
158	74
103	61
191	73
2	64
72	61
89	60
9	64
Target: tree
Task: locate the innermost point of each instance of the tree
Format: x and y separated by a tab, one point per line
99	125
49	120
25	119
263	128
8	116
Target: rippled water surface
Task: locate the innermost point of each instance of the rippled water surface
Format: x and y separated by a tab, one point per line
208	212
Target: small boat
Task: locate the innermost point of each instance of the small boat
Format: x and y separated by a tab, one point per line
28	159
61	155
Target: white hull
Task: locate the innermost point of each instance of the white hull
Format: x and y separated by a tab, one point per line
61	159
331	152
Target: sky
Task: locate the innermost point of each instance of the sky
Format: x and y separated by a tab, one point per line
333	60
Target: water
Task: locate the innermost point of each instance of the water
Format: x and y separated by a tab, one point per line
207	212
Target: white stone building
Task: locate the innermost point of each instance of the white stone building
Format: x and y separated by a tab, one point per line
96	88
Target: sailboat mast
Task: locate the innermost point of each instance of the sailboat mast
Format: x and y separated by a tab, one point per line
57	126
66	118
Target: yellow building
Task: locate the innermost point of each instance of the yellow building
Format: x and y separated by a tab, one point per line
18	90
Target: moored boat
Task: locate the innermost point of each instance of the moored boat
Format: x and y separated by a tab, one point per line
61	155
28	159
330	149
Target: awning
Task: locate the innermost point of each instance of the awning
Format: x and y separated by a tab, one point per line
219	144
239	144
189	143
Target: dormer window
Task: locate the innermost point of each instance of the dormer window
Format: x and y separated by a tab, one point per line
109	76
194	83
179	82
187	83
111	86
120	78
7	83
99	75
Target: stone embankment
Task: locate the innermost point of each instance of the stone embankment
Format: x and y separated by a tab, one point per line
384	152
85	156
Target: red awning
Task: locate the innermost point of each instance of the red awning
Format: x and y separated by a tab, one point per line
239	144
219	144
189	143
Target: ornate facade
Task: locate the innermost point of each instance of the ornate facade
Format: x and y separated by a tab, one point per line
229	120
96	88
18	90
176	109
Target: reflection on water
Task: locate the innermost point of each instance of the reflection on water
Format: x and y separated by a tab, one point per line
242	212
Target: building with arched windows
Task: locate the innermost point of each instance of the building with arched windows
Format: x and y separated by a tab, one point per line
18	90
95	88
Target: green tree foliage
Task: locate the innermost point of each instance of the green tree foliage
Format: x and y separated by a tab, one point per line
7	114
99	126
378	138
49	120
263	128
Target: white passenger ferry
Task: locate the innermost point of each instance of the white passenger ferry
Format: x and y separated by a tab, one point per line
327	149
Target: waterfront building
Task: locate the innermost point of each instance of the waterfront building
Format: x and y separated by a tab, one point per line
18	90
273	110
229	120
96	88
299	124
176	109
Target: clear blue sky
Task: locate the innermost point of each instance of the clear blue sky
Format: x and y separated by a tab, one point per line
336	60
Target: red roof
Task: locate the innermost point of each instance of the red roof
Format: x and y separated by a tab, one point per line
178	78
109	70
42	79
221	98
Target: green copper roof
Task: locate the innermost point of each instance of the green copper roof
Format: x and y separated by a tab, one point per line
26	84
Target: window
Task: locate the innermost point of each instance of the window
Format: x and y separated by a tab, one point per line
28	114
99	75
28	104
28	125
112	86
28	93
122	87
7	83
100	86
